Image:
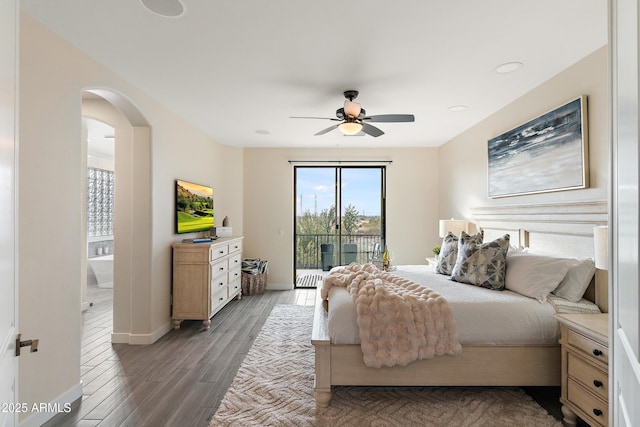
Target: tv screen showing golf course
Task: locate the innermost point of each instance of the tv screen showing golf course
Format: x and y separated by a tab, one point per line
194	207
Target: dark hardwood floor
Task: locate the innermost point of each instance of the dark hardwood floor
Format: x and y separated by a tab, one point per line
177	381
181	379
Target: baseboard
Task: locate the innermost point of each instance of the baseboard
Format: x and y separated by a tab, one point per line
120	338
158	333
140	339
279	286
47	411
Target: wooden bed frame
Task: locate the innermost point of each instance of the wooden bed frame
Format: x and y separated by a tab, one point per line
565	229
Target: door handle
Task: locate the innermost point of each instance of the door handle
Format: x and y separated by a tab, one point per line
27	343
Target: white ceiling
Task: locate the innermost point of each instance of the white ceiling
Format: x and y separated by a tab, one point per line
237	68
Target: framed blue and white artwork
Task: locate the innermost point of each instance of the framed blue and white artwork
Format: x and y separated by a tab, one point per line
548	153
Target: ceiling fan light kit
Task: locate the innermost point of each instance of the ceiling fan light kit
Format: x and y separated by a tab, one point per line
350	128
354	118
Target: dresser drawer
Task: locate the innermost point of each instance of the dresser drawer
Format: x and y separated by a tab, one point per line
591	405
235	247
235	261
234	274
219	268
589	376
234	287
218	283
218	298
218	252
591	348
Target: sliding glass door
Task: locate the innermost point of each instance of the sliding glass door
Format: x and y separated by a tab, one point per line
339	218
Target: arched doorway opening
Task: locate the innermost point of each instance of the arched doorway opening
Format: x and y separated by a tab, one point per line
132	213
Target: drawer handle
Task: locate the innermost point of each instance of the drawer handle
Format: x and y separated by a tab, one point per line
597	383
221	252
597	352
222	299
597	412
222	269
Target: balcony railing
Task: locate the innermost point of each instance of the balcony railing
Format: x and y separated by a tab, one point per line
321	251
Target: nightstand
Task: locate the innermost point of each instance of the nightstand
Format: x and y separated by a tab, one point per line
431	263
585	367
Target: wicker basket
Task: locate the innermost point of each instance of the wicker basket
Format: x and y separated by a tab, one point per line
253	284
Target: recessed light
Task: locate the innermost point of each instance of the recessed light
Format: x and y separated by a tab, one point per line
457	108
508	67
168	8
263	132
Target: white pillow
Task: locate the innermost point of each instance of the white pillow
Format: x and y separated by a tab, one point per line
577	280
535	276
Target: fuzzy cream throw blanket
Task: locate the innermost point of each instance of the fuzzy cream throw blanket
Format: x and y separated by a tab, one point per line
400	321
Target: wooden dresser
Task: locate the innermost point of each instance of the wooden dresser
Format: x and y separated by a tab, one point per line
206	276
585	366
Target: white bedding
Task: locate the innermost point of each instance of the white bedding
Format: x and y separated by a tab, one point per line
482	316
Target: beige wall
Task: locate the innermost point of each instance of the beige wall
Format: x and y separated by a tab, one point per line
463	160
53	75
412	210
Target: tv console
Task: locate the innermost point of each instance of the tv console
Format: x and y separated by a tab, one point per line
206	276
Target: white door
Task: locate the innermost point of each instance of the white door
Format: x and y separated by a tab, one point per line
625	219
8	288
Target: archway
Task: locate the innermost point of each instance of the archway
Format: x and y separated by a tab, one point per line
132	226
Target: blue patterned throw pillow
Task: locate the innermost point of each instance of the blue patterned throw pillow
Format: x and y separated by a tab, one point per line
481	264
449	251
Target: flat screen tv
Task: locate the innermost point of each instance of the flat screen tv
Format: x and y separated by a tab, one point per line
194	207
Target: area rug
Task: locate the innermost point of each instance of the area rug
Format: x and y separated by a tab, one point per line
274	387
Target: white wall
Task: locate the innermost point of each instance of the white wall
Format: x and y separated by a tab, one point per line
53	75
463	160
412	210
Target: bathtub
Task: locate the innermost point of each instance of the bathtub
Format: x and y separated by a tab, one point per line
102	267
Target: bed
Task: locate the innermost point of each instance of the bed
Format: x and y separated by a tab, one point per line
561	229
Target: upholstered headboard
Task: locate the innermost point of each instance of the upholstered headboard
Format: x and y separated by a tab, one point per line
562	229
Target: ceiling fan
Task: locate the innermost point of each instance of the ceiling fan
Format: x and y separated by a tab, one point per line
354	118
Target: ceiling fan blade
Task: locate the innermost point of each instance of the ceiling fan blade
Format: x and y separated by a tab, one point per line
327	130
391	118
320	118
371	130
